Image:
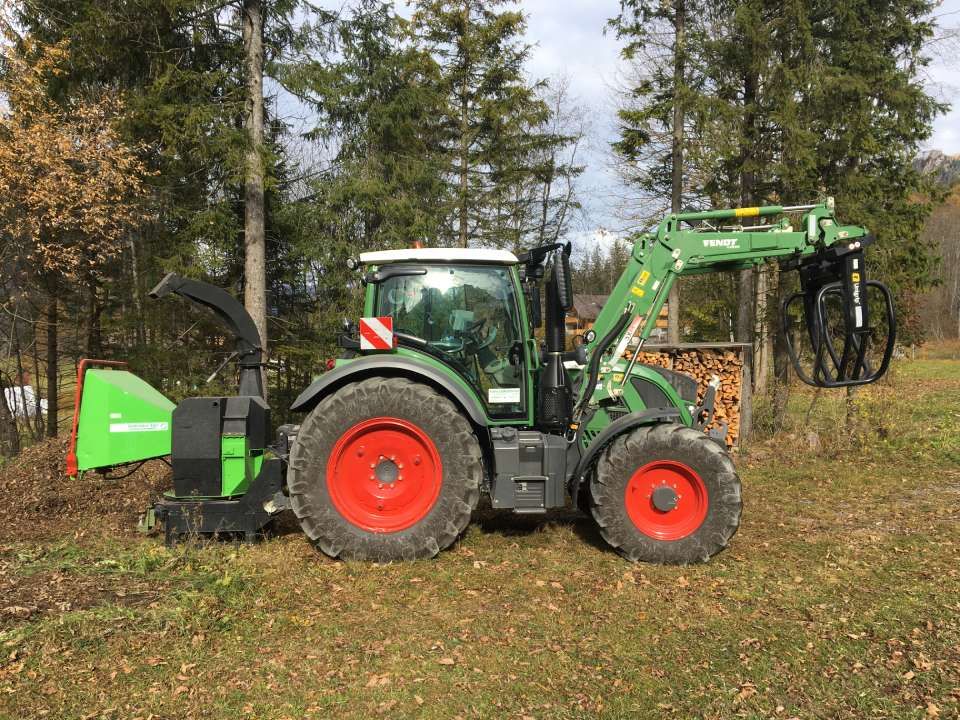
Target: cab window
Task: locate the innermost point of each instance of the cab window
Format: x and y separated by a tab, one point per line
468	317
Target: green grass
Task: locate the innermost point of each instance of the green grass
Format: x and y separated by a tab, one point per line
839	598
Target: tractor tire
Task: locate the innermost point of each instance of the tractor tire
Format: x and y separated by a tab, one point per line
666	494
384	469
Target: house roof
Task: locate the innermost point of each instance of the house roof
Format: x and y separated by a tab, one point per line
587	307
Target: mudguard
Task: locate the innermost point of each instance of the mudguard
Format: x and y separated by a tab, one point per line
383	366
617	427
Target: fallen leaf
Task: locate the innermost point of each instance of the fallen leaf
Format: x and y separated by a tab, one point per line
447	661
386	706
747	691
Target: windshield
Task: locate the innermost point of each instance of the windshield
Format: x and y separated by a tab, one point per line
467	315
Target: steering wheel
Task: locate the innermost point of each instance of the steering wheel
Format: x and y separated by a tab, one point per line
470	333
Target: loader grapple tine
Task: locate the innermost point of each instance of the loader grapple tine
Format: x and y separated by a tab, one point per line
839	347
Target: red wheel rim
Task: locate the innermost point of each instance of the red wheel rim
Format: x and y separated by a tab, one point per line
676	484
384	475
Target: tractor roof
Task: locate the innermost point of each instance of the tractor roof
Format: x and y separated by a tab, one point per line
453	255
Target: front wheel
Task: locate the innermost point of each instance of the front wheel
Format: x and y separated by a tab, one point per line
384	469
666	494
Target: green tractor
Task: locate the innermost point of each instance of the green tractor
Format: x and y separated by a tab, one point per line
444	393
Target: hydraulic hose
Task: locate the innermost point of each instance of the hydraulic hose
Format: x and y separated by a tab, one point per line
594	369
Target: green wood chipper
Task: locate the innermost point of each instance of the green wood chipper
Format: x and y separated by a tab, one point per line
445	393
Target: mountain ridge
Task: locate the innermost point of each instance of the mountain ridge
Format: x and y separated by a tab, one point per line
944	168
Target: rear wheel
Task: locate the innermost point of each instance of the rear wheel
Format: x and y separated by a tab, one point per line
385	469
666	494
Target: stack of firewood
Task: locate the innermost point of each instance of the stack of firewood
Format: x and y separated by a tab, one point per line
702	364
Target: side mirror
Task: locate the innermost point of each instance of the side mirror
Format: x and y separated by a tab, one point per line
563	276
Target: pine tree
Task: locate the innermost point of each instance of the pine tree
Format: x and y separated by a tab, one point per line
827	100
496	136
380	106
654	117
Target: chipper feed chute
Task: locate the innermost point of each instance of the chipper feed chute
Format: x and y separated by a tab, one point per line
118	419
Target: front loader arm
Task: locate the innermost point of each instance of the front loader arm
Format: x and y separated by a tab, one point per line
718	241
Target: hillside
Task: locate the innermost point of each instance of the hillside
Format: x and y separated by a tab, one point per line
945	168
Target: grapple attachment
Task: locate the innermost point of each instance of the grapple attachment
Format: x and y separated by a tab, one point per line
850	323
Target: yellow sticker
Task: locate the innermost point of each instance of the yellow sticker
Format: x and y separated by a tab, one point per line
747	212
637	291
618	377
855	277
644	276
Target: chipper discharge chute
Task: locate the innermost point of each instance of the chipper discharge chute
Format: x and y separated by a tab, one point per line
446	393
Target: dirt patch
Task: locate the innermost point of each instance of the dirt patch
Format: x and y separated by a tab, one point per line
27	597
38	501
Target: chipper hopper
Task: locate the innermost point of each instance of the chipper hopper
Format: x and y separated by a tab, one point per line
444	393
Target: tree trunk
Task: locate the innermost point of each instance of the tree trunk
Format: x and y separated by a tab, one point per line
255	271
464	168
852	410
746	295
676	155
781	363
53	364
464	209
744	332
94	334
37	428
9	433
761	345
136	297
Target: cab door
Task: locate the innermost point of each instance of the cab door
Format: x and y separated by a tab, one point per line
467	316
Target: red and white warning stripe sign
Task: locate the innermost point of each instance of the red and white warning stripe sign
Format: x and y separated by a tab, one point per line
376	333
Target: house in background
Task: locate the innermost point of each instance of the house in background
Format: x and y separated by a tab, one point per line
586	308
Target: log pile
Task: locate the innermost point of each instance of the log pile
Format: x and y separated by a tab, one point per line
702	364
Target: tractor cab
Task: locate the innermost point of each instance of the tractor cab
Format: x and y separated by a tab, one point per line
476	311
460	307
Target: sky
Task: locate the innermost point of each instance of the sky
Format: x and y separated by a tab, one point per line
569	39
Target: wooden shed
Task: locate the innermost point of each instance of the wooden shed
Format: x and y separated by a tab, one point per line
586	308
